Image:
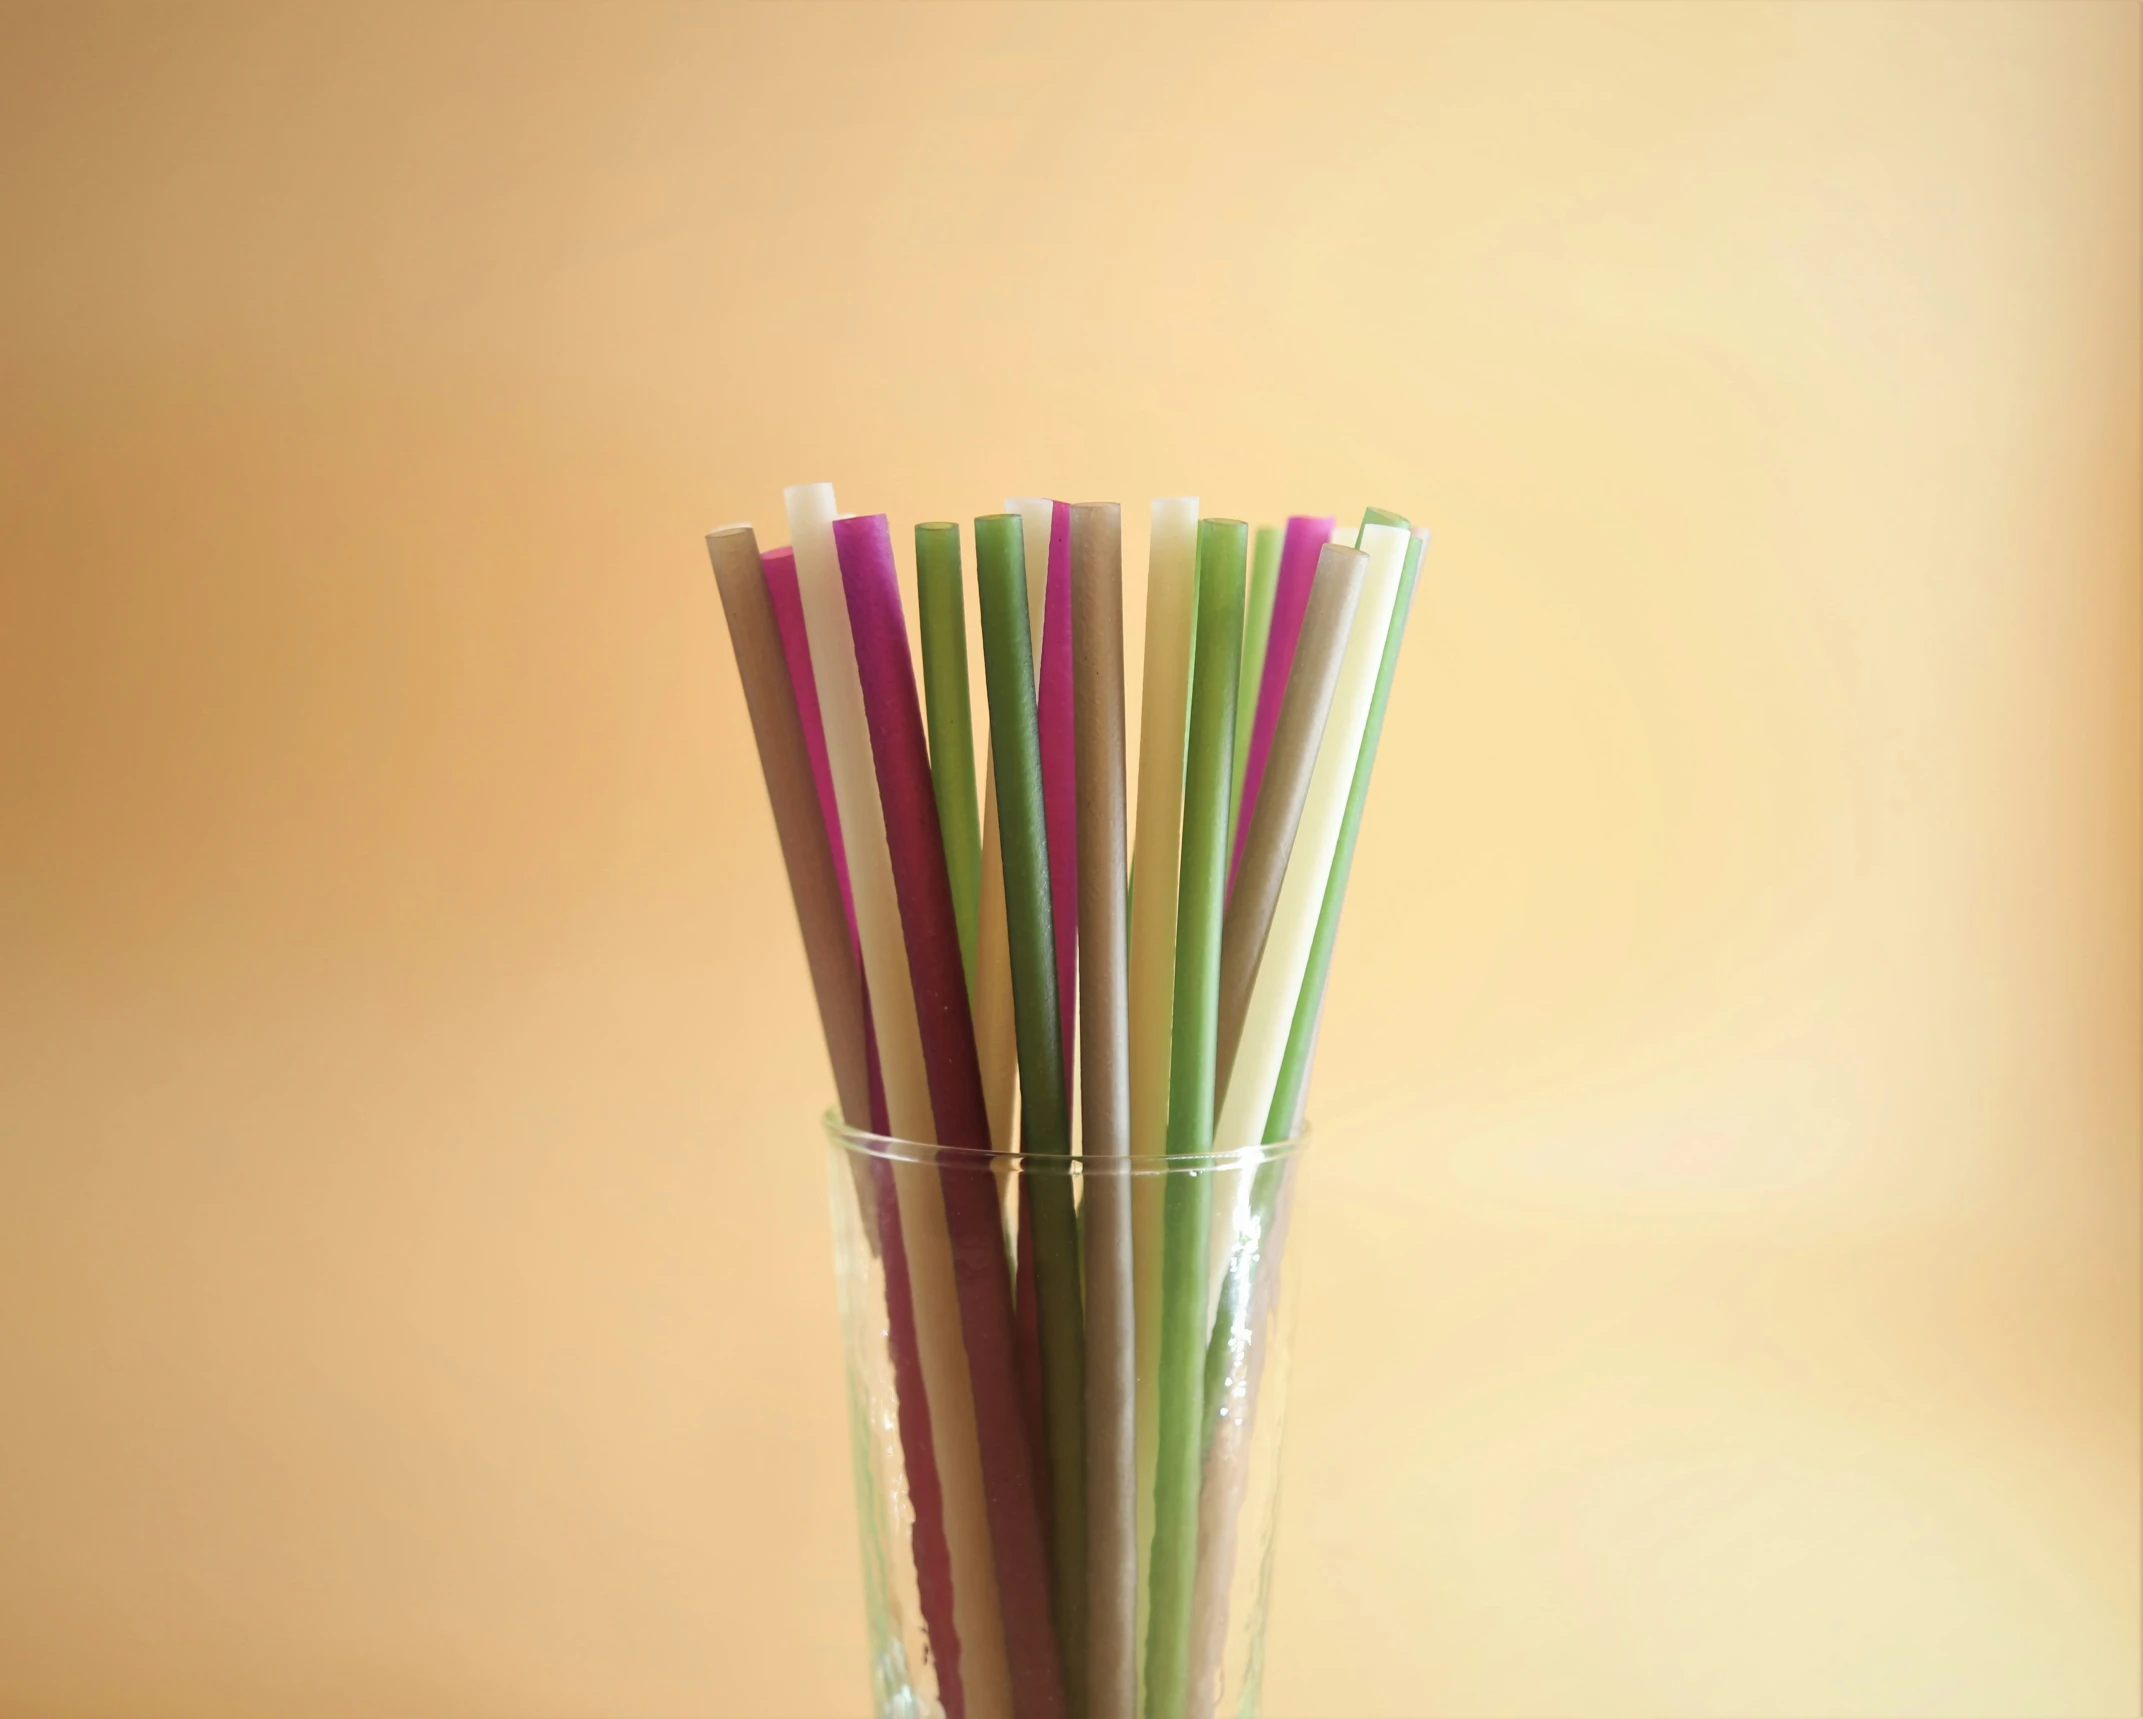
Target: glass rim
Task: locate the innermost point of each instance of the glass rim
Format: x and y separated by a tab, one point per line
863	1143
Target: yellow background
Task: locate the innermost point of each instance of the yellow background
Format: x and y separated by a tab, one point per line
415	1292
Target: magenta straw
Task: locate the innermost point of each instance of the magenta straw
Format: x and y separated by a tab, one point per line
1060	802
1306	538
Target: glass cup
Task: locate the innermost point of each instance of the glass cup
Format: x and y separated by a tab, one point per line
1066	1384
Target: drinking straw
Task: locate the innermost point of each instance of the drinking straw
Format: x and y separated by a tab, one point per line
952	735
924	893
1262	861
1291	1089
788	602
1045	532
1054	717
1235	1354
1244	1105
965	1381
1222	549
1037	518
1263	844
1257	623
1045	1106
1171	598
1097	624
1284	1119
1291	596
806	843
775	701
995	1046
1378	516
995	1032
1027	1334
1285	1116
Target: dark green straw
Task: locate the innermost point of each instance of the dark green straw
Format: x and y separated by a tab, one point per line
1008	674
952	733
1223	546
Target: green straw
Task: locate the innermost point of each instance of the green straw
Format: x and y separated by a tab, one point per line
1257	629
1223	546
952	732
1377	516
1008	674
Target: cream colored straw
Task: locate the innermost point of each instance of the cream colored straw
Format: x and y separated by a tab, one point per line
983	1669
1171	598
1097	593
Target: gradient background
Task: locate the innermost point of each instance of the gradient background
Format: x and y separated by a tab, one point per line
415	1289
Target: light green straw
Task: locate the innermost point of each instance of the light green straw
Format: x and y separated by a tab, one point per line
952	732
1257	631
1377	516
1223	546
1008	674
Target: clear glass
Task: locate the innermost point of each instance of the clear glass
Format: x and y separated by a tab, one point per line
982	1421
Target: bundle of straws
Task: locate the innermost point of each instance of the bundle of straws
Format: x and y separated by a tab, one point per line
1073	1548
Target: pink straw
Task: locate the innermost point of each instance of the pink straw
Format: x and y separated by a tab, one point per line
1306	538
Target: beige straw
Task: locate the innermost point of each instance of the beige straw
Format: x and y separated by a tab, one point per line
806	849
1097	617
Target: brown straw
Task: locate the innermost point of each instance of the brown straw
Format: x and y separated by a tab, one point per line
1334	593
805	850
1097	622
